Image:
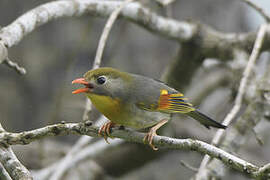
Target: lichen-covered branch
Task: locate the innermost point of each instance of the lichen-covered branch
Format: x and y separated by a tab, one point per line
211	42
12	165
235	137
264	172
71	158
132	136
4	174
13	33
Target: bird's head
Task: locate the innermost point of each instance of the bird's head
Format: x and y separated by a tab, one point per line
103	81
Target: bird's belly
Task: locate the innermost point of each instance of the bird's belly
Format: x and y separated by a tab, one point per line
137	118
126	114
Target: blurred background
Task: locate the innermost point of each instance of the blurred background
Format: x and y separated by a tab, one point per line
62	50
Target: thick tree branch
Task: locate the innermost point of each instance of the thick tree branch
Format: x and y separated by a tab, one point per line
12	165
212	43
132	136
4	174
264	172
28	22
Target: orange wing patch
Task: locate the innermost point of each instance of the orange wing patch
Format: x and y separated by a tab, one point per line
173	103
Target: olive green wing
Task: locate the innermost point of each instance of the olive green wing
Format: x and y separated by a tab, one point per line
168	102
175	102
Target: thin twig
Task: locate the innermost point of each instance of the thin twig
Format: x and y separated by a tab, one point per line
258	9
88	152
14	66
98	58
188	166
5	60
105	33
241	91
237	135
65	162
258	138
64	165
100	49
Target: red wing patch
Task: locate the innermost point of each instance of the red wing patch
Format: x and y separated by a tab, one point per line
173	103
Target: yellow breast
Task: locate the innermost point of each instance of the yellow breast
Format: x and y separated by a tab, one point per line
109	107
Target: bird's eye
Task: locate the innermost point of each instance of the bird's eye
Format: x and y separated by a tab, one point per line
101	79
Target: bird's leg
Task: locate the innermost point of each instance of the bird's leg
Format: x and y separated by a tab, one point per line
153	132
106	130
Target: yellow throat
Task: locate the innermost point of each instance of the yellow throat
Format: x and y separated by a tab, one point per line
108	106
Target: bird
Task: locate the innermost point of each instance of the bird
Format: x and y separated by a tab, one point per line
136	101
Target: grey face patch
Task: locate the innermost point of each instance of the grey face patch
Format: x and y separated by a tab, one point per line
113	87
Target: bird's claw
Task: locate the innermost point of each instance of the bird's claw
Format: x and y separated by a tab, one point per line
105	130
148	138
153	132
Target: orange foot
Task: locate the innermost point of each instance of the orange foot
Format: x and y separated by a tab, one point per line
153	132
106	130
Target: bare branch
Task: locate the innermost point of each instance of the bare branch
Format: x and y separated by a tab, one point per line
258	138
258	9
88	105
14	66
188	166
133	136
101	45
40	15
4	174
165	2
238	101
5	60
264	171
106	31
64	164
3	52
85	153
216	44
12	165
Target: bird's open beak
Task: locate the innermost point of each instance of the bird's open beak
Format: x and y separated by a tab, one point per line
88	86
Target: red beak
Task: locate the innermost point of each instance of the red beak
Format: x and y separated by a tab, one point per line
88	86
